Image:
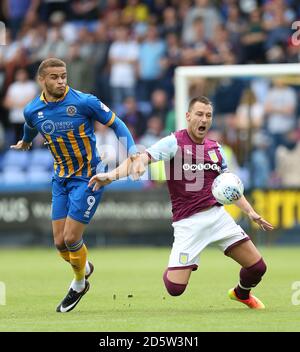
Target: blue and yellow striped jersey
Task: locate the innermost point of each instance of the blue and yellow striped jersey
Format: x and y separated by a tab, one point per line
68	128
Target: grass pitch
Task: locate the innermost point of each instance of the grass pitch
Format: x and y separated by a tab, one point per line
127	293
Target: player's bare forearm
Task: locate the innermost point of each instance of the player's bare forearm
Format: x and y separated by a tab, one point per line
246	207
131	166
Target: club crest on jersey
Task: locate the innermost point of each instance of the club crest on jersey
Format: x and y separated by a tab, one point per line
71	110
213	156
183	258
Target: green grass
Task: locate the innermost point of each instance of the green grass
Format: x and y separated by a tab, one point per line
37	279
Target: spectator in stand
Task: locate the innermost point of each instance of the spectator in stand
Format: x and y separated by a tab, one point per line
100	56
152	50
160	105
123	57
220	49
135	11
169	62
109	6
77	68
196	50
261	170
47	7
54	46
287	160
253	39
235	25
134	118
280	110
250	112
227	97
153	133
86	10
277	20
170	23
13	56
18	95
208	13
17	12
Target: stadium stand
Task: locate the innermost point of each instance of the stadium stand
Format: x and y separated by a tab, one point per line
160	36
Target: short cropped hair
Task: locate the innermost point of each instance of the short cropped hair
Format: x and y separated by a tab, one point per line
52	62
199	99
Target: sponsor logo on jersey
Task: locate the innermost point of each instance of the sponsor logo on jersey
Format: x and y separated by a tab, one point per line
200	167
71	110
63	126
40	115
213	156
48	127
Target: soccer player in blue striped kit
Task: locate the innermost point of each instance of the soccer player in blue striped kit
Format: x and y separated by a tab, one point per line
65	118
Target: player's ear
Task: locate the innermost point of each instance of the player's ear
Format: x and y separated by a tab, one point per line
187	116
40	80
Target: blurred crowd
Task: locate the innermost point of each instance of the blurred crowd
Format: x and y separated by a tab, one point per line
125	52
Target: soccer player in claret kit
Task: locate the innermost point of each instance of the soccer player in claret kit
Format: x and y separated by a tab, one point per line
192	164
65	118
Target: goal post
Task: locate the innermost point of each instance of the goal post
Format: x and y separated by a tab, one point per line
184	73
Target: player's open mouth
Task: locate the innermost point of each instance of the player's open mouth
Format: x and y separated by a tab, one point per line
201	128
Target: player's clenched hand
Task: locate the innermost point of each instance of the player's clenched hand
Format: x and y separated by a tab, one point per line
264	224
21	145
137	167
100	180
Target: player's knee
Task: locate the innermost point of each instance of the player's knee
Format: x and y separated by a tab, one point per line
70	238
253	274
173	288
258	268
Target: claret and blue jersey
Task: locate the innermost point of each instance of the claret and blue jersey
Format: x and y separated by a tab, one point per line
67	126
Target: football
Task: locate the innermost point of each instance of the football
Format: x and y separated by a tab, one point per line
227	188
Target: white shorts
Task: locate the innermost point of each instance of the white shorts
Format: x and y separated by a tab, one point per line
193	234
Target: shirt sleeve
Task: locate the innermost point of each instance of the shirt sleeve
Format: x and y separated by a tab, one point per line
224	167
29	132
164	149
98	111
27	117
124	135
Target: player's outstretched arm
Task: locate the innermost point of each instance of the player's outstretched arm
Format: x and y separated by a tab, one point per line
134	166
246	207
26	142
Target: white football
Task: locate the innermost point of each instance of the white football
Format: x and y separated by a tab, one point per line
227	188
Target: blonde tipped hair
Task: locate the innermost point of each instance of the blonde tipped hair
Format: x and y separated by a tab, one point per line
52	62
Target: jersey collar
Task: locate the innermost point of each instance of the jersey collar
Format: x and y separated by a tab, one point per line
43	98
